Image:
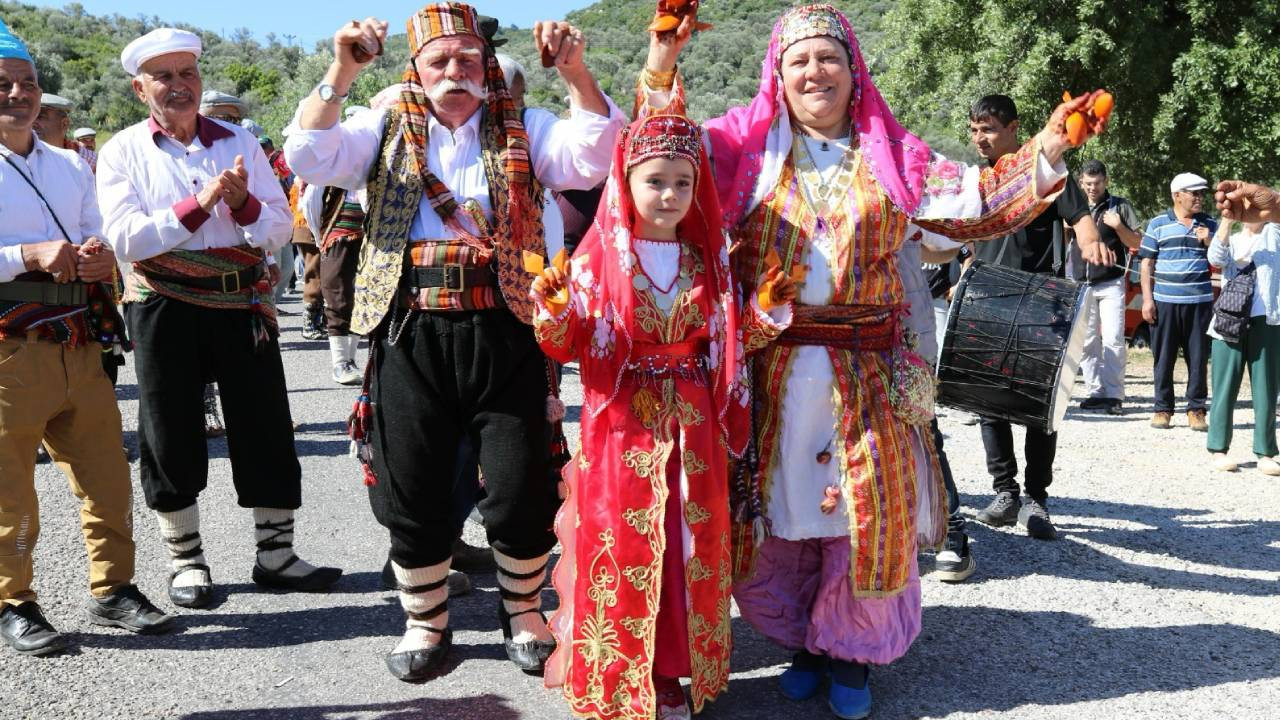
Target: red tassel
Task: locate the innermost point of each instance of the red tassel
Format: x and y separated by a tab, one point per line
369	478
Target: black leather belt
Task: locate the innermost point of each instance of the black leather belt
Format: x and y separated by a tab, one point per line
232	281
45	293
453	277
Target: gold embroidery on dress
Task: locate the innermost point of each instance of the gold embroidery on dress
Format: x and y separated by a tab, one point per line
695	513
552	330
599	641
698	570
641	520
692	465
643	462
638	627
641	577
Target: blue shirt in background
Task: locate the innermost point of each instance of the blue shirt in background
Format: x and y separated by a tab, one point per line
1182	261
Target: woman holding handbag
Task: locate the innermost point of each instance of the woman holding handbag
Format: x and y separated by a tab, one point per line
1246	333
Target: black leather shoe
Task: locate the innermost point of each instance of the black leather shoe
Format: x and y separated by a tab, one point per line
471	559
126	607
318	580
531	655
191	596
389	576
417	666
24	629
459	583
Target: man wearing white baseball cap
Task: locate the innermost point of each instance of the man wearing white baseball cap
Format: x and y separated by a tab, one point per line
193	203
1177	298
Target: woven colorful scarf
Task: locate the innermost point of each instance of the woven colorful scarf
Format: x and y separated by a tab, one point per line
514	193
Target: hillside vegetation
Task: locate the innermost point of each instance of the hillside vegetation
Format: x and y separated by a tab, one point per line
1194	79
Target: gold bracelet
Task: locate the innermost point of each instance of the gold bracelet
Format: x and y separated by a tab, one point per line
660	80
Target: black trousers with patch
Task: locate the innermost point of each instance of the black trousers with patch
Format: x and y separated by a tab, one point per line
179	347
449	375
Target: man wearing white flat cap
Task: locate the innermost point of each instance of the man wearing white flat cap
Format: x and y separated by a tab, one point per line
1177	298
53	124
193	204
87	137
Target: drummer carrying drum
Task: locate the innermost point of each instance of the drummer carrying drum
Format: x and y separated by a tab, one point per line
1037	248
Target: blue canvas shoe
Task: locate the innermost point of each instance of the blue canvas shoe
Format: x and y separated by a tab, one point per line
801	680
847	700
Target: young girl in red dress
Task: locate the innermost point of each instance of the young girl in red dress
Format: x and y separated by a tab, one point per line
648	309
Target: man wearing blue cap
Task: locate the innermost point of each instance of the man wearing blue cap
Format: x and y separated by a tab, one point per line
55	314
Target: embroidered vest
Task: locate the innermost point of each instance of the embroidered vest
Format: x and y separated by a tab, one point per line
395	193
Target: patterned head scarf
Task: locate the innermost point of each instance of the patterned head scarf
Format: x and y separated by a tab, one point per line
750	144
606	252
452	19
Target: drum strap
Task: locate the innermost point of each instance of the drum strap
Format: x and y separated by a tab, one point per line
1059	246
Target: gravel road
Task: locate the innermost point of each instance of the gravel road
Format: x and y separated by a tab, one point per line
1159	599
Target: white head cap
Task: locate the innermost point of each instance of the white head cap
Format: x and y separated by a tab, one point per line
57	102
510	68
160	41
82	133
353	111
1184	182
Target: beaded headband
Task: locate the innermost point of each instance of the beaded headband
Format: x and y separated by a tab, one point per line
664	136
810	21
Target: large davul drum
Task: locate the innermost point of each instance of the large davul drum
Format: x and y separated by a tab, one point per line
1012	345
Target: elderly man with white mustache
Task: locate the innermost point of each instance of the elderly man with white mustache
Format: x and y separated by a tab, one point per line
193	204
455	177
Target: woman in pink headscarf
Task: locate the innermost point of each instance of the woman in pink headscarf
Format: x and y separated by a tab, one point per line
818	174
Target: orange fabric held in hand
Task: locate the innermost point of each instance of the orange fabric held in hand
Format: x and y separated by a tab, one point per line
536	264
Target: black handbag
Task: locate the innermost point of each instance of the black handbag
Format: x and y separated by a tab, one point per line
1231	309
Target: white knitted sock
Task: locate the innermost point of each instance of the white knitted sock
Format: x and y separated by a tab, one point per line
275	526
528	626
180	531
337	350
434	577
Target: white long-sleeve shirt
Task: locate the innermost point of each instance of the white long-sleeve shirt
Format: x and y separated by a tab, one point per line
147	185
569	154
66	182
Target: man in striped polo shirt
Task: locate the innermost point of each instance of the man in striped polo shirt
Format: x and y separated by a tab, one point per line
1177	297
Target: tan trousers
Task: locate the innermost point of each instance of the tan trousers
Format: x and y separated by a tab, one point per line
62	396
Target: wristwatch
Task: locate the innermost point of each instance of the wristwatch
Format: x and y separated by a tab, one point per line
328	94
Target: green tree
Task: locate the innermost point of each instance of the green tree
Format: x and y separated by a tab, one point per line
1194	80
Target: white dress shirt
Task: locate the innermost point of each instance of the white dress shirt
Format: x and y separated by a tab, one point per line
570	154
147	182
66	182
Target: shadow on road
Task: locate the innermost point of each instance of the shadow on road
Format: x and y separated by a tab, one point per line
1090	551
490	707
1070	660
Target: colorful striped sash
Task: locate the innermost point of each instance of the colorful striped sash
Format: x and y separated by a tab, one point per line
210	263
